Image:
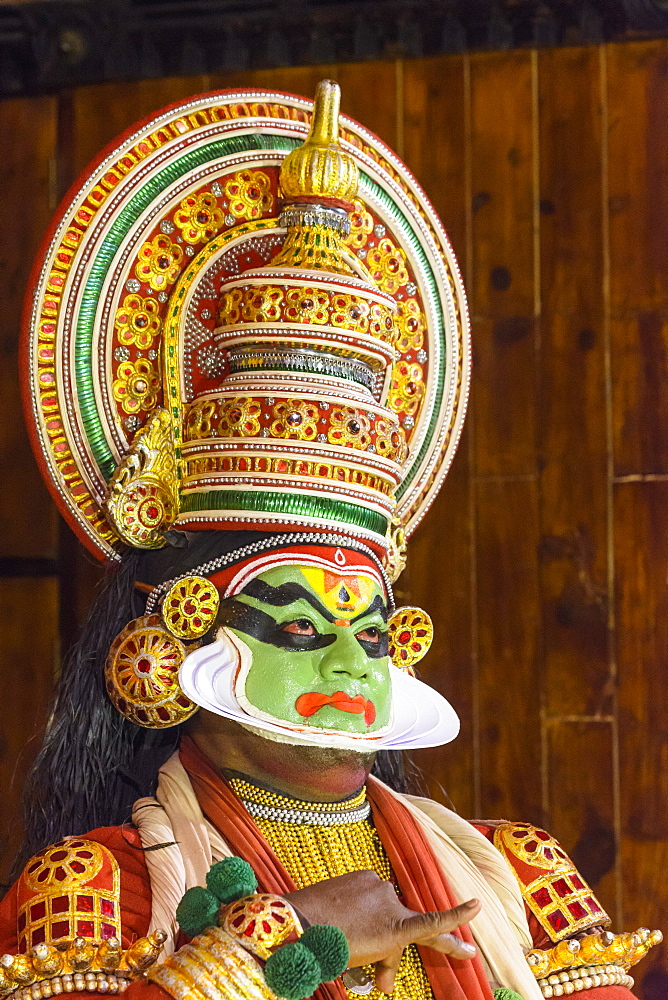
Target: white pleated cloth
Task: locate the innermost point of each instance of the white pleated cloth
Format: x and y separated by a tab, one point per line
473	866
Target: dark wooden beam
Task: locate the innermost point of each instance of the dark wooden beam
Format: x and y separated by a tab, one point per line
47	45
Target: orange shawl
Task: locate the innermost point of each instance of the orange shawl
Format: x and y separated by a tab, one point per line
423	885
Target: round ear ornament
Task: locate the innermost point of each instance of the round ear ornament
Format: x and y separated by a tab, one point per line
142	675
410	634
190	607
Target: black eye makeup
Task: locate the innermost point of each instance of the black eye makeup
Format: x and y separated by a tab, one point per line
264	628
295	633
373	641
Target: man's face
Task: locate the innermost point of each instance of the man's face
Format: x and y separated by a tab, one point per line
319	645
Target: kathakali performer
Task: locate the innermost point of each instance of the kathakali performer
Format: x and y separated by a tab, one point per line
246	367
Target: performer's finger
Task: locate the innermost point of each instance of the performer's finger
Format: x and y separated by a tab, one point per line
386	971
425	928
450	944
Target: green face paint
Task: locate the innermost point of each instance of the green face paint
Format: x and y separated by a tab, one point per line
319	645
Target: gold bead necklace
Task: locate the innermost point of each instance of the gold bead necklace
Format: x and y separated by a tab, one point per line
316	841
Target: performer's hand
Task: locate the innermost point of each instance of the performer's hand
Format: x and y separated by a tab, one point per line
377	926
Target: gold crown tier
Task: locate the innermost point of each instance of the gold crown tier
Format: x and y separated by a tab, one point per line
306	363
248	316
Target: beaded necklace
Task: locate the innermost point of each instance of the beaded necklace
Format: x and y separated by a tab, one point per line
319	840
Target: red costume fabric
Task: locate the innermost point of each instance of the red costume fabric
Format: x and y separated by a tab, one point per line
423	886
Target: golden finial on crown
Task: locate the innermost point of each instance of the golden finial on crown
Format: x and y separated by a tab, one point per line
321	168
318	182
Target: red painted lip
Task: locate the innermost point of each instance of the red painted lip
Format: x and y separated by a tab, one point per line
310	703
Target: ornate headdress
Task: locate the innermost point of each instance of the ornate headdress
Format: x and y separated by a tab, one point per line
247	317
250	317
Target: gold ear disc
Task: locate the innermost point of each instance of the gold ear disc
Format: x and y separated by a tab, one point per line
142	675
410	634
190	607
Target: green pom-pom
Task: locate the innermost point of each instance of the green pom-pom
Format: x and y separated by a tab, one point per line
231	879
504	993
197	910
330	947
293	972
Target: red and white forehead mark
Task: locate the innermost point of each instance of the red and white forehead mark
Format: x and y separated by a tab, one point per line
339	562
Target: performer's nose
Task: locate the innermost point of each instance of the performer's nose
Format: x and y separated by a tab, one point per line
345	657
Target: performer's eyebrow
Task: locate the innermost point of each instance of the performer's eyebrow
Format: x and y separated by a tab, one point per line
378	604
286	593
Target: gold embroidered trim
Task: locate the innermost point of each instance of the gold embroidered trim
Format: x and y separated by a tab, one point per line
558	896
89	982
80	957
212	967
605	948
68	898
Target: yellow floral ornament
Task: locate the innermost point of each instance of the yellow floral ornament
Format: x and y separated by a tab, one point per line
264	304
361	226
410	326
387	264
199	424
137	321
391	440
240	417
295	419
230	307
351	312
159	262
136	385
350	428
249	194
307	305
190	607
199	218
407	388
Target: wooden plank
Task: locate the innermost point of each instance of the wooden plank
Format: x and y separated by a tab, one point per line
439	570
434	131
581	802
641	555
640	393
368	90
637	97
28	657
572	433
438	579
637	92
27	139
93	116
501	287
508	649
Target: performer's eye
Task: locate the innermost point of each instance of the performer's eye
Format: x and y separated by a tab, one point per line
371	634
300	627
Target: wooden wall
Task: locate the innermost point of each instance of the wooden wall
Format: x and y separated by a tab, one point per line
544	560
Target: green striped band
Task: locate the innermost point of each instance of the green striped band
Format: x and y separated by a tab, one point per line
438	358
133	210
298	504
106	253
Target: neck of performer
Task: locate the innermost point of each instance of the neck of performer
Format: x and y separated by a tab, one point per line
314	774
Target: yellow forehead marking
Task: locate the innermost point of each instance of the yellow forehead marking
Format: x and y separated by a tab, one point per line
345	595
